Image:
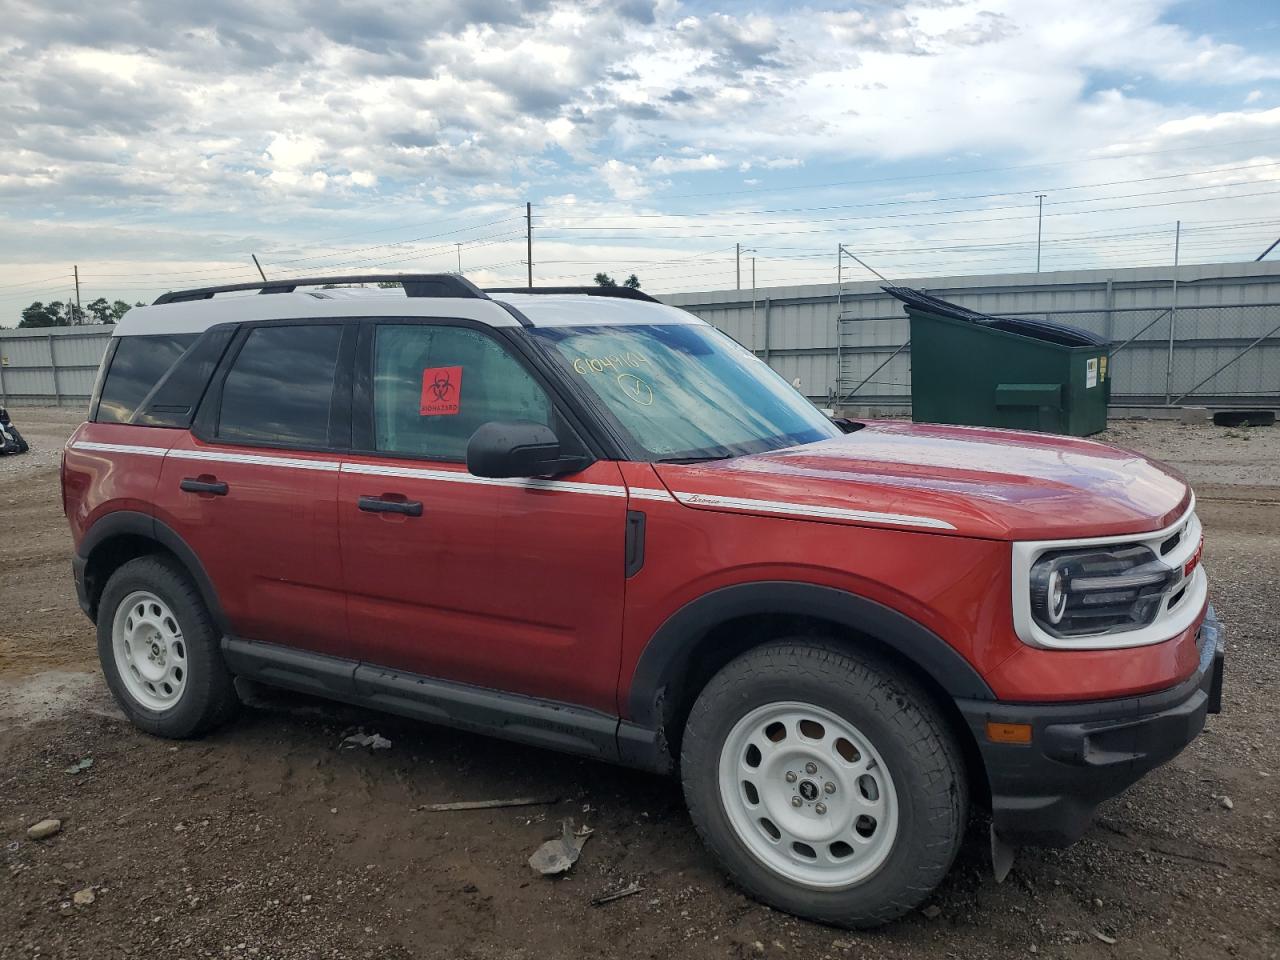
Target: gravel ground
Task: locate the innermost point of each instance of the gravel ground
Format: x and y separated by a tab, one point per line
267	839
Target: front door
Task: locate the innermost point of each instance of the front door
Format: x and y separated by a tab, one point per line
514	585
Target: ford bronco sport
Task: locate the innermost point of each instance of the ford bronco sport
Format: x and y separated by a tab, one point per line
588	521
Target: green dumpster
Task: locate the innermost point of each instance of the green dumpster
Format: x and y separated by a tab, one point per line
971	368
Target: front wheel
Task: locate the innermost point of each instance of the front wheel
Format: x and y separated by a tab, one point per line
827	784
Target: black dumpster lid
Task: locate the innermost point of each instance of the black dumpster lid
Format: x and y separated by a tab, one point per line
1062	334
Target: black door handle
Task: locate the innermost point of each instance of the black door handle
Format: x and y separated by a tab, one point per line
217	487
411	508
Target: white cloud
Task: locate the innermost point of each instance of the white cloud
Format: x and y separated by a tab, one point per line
217	113
708	161
624	180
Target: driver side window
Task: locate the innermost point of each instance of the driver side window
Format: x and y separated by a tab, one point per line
434	385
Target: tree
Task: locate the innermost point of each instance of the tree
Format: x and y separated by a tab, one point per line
100	310
119	309
604	280
43	315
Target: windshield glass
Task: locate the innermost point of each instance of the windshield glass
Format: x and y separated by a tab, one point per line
685	391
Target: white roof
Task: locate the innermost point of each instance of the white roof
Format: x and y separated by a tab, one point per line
543	310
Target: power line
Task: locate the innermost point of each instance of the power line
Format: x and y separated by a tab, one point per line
964	173
924	200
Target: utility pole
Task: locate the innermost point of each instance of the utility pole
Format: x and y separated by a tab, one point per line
1039	228
528	234
459	246
753	296
79	313
259	266
737	266
1173	315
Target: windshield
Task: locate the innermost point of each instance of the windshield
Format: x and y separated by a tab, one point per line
685	391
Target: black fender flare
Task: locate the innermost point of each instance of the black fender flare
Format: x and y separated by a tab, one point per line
667	654
134	523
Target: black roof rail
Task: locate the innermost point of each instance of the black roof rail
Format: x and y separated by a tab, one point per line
415	285
621	293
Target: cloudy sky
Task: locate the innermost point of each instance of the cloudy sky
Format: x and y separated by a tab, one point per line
159	144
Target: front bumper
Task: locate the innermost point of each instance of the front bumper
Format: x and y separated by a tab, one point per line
1044	793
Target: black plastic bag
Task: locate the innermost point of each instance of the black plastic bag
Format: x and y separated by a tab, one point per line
10	439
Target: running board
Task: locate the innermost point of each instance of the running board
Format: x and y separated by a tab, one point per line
543	723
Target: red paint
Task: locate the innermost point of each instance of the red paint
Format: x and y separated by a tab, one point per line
270	546
520	588
504	586
994	484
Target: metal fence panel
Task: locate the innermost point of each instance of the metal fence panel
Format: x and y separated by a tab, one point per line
51	365
1226	333
1226	345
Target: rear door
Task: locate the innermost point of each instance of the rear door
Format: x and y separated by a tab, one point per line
514	585
252	488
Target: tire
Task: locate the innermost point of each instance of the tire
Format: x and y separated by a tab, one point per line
887	773
177	684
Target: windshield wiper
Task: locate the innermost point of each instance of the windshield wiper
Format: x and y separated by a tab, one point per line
726	456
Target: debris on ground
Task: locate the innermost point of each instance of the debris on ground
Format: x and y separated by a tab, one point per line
44	829
486	804
1225	803
558	855
83	898
627	891
932	912
1110	941
371	740
81	765
10	439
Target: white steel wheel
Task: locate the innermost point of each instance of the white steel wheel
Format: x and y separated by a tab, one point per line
150	652
808	795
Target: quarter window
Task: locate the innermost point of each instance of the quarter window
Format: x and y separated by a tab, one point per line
280	387
137	367
434	385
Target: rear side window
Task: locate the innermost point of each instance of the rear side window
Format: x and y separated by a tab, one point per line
137	367
280	387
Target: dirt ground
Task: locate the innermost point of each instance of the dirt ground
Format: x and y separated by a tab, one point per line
267	840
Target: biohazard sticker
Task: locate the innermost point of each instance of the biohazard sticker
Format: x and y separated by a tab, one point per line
441	389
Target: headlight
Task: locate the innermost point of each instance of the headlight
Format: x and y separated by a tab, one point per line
1078	593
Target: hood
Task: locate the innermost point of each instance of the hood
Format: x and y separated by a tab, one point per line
967	481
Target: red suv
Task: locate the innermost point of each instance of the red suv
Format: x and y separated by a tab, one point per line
588	521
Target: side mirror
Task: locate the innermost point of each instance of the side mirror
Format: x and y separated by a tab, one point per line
518	448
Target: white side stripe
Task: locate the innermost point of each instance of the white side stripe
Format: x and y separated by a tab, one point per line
455	476
810	510
562	486
647	493
119	448
217	456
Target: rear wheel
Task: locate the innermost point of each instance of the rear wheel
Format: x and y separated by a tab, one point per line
160	652
826	783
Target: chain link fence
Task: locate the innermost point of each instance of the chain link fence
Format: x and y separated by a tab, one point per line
1215	355
1220	354
1174	355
